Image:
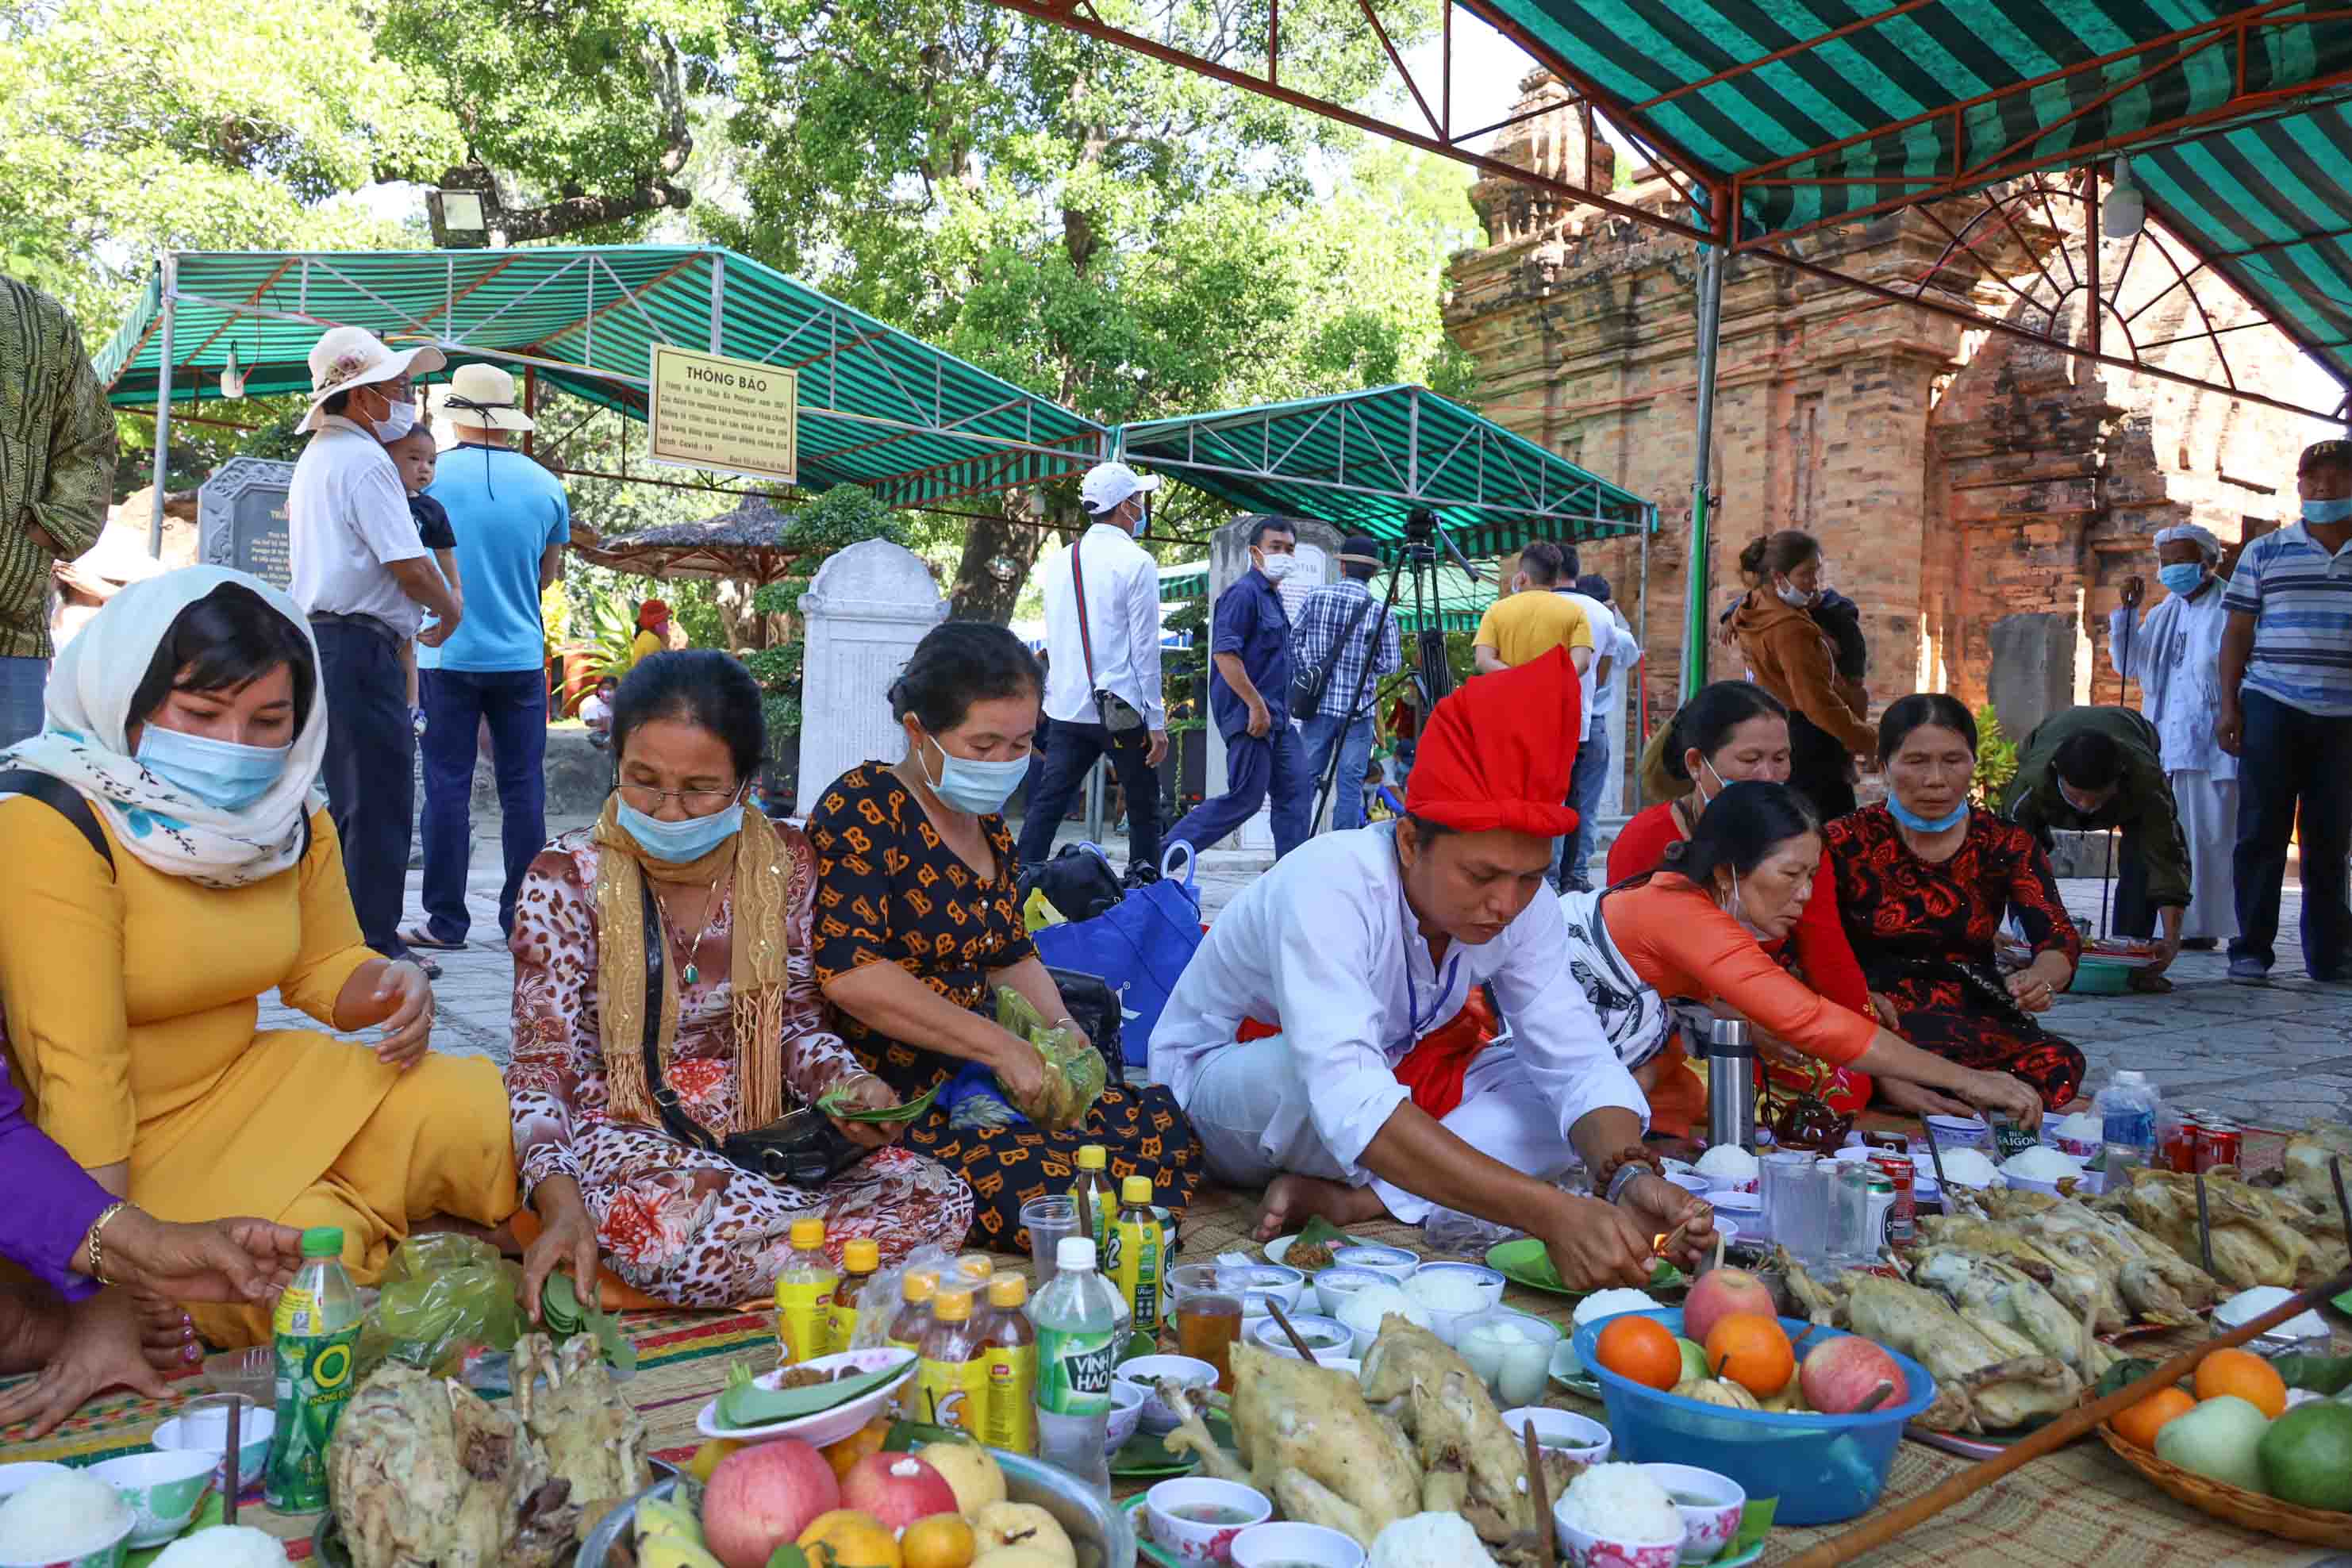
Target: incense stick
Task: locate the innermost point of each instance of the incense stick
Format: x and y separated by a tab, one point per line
1540	1494
1300	1344
2205	1227
1936	1154
236	1441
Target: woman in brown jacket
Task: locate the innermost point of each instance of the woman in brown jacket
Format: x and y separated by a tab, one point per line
1790	657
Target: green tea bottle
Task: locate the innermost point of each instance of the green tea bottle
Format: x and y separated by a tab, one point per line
317	1331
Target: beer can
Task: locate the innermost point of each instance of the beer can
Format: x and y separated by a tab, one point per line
2008	1137
2180	1144
1902	1226
1880	1210
2219	1141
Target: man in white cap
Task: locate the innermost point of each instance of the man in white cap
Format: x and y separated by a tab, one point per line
512	520
1102	681
364	577
2175	654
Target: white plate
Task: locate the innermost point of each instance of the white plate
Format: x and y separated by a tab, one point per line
1279	1249
828	1426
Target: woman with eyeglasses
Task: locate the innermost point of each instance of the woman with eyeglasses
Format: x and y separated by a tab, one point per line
919	923
666	1013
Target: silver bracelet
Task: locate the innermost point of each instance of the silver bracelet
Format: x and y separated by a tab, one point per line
1624	1178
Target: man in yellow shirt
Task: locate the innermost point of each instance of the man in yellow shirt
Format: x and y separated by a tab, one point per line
1533	620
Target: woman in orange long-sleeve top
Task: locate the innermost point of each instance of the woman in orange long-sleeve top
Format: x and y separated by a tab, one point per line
1691	935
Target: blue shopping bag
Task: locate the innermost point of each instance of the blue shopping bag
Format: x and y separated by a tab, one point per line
1139	947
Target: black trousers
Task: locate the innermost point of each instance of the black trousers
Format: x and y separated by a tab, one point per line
1071	751
1816	765
369	772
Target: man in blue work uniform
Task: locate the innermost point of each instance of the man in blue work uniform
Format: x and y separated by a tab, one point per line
1249	698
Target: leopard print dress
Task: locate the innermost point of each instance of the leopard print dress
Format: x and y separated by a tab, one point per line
683	1225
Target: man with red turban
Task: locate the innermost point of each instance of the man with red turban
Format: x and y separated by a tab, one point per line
1360	946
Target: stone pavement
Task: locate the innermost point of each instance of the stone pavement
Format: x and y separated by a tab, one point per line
2275	1056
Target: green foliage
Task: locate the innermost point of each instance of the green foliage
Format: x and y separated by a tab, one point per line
776	668
844	515
612	629
1996	760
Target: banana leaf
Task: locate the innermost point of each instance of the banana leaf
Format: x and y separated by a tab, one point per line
835	1102
906	1436
748	1404
562	1315
2129	1369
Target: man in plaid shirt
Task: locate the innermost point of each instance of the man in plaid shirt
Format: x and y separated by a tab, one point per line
1323	637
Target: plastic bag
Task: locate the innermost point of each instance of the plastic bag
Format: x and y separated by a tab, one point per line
443	1299
1451	1230
1037	912
1075	1071
885	1292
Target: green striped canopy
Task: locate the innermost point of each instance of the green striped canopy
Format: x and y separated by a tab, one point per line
1814	110
1363	461
877	407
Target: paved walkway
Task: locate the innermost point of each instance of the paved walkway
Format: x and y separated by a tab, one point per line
2276	1055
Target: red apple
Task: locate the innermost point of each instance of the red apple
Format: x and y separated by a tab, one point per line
897	1490
1841	1374
1719	1294
763	1496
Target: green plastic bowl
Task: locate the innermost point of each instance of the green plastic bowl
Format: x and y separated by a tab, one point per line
2101	977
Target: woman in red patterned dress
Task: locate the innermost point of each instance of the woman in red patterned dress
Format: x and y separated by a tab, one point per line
1924	883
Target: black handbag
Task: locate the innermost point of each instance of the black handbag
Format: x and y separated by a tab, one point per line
1094	1007
801	1149
1077	880
1310	682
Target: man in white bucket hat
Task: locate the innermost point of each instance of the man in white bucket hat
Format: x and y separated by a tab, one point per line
512	520
365	579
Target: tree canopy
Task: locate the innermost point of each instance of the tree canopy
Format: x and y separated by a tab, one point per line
1127	240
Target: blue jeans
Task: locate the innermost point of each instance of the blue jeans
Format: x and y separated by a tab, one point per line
456	703
1354	741
2290	759
1255	766
367	770
1571	854
23	683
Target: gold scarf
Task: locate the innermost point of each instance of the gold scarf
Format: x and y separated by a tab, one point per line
766	871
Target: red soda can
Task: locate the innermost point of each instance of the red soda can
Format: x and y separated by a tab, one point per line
2180	1144
2219	1141
1902	1217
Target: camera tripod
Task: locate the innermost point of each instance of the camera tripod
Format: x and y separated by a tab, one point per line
1433	676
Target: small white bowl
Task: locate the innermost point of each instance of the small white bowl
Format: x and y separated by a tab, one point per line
1447	1325
15	1478
1334	1286
1692	1183
1126	1414
1258	1283
1146	1372
1673	1167
110	1555
1198	1541
1709	1526
164	1490
202	1428
1733	1183
1329	1338
1961	1131
1582	1548
1393	1261
1311	1545
1585	1440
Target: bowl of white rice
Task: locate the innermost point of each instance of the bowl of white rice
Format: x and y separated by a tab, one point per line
1727	1166
73	1520
2080	1134
1364	1310
2037	1169
1614	1516
1450	1292
1962	1167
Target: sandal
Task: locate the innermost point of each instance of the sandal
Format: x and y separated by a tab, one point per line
421	935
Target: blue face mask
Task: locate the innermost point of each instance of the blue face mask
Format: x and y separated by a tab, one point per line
679	842
2181	576
221	773
1919	823
2327	512
967	784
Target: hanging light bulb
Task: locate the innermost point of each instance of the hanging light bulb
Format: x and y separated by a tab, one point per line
2124	211
232	375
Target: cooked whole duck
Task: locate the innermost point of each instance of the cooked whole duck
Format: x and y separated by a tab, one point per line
1989	1377
421	1471
590	1435
2259	1238
1987	1288
1470	1465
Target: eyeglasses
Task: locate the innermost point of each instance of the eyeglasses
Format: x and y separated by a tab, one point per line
696	802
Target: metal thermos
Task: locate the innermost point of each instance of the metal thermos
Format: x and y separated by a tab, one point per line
1731	1084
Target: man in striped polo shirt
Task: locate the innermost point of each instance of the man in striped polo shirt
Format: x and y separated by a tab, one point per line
2286	715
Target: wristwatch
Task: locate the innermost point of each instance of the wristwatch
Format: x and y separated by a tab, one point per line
1624	1178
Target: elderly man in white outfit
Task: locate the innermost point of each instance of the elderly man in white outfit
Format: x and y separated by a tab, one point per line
1361	947
2175	654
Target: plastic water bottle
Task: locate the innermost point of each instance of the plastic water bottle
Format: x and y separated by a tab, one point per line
1078	1340
2128	1117
317	1331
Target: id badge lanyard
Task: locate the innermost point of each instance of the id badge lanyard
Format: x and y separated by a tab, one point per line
1416	1021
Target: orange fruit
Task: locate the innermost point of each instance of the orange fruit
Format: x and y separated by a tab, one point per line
942	1541
2139	1422
843	1455
1639	1350
1752	1351
844	1538
2245	1374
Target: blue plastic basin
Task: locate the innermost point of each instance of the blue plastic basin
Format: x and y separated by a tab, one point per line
1824	1469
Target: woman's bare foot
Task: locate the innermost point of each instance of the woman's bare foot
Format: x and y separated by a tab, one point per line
1292	1200
167	1336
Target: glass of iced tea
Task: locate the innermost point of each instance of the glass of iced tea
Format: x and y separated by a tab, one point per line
1208	1318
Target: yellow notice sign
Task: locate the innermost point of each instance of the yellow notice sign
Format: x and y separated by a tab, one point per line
727	415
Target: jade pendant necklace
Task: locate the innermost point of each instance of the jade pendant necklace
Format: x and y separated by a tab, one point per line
689	972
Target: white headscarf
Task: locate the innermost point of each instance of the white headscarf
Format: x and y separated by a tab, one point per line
2203	536
84	742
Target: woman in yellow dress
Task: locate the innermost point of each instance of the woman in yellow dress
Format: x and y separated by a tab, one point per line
186	724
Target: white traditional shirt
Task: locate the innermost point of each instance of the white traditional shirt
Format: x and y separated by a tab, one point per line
346	521
1122	619
1325	946
2175	657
